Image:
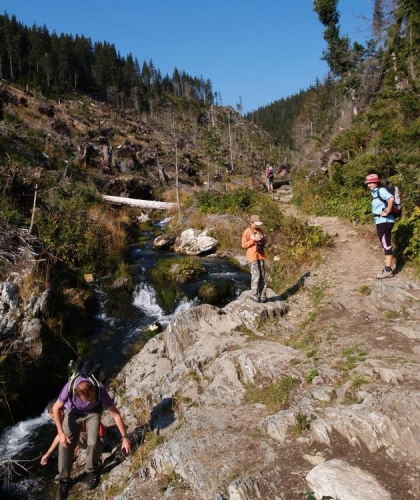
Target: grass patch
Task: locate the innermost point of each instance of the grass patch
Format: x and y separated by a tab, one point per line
301	425
352	356
172	481
304	340
139	457
360	379
364	290
310	496
274	395
311	375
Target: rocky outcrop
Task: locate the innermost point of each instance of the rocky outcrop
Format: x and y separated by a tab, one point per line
199	373
20	320
338	479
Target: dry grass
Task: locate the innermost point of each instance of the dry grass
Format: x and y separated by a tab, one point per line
114	225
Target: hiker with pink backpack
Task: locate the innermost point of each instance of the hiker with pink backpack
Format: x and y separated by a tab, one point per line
386	206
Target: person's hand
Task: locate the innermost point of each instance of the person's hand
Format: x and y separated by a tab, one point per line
64	440
44	459
126	445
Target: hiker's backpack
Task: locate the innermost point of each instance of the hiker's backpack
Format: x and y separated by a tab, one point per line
269	173
397	205
87	369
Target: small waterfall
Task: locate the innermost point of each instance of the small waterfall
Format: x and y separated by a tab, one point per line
145	300
21	447
22	437
101	315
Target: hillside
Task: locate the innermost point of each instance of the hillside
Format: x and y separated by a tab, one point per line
58	156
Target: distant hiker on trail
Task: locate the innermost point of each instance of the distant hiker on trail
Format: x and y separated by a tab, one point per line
382	202
84	402
82	438
253	241
269	176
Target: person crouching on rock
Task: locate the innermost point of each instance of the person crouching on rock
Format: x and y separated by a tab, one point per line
84	405
253	241
82	438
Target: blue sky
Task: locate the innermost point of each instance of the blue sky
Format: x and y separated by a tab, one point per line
259	51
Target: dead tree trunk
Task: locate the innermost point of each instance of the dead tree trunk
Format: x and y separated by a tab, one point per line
155	205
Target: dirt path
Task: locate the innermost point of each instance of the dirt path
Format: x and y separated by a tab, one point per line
352	264
377	322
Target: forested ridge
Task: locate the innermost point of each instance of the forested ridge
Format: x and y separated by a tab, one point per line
56	64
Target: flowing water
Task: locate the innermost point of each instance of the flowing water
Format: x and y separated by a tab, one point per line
113	338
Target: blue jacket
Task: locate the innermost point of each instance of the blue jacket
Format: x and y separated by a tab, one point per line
378	205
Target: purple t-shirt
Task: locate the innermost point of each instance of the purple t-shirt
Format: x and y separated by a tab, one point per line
81	407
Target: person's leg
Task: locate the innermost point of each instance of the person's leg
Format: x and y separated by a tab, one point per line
93	448
71	427
262	284
255	278
384	231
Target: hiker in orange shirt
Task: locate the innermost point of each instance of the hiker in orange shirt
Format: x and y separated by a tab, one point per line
253	241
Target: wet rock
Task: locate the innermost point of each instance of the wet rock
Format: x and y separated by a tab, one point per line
121	284
164	241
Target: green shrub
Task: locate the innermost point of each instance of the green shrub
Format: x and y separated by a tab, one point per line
80	241
240	200
407	238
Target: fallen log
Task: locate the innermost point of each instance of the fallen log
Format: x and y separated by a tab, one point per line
283	182
155	205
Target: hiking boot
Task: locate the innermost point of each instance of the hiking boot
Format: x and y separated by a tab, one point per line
63	490
255	298
263	300
92	480
384	274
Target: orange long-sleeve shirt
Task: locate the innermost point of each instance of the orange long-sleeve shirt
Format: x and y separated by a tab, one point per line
250	245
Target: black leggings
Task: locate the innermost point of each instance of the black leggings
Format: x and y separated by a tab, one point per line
384	234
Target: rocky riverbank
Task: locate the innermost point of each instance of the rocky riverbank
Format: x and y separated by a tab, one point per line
312	392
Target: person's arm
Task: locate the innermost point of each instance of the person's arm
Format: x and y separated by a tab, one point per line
390	203
64	440
54	444
115	414
248	239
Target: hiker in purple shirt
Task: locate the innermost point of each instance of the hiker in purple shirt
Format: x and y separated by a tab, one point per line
84	404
